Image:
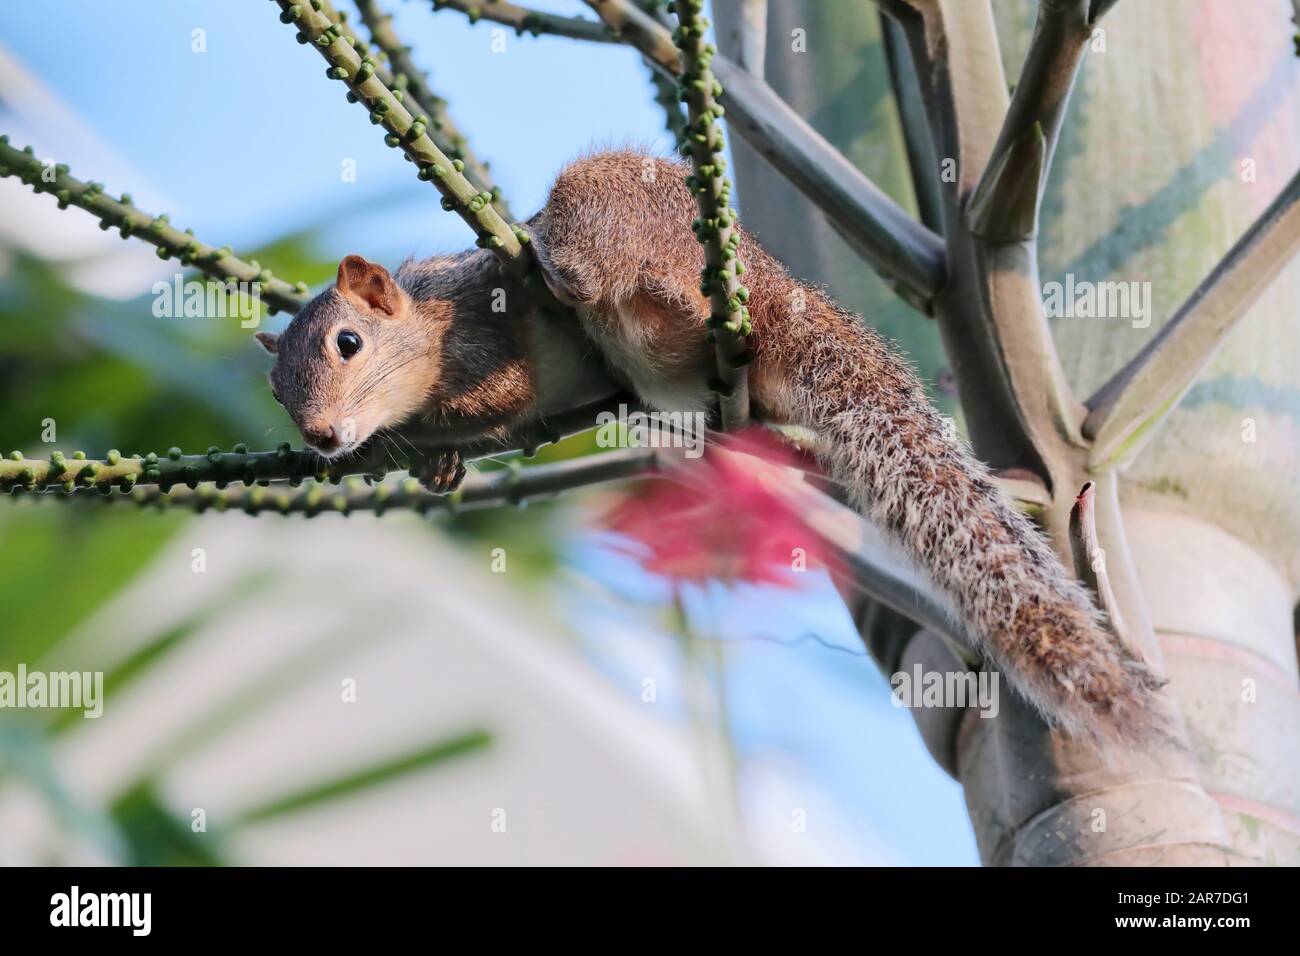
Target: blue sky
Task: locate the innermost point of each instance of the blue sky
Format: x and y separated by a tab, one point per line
800	691
246	141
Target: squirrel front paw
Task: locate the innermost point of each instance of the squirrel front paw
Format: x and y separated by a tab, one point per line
441	473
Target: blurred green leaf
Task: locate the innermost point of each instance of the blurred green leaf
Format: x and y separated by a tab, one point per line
156	837
59	565
433	755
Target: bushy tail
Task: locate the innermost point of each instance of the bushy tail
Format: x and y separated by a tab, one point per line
915	477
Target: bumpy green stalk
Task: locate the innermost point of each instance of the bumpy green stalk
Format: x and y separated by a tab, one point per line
715	229
419	96
514	485
358	71
525	20
122	214
117	471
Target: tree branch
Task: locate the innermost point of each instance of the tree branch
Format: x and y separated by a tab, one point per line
715	228
630	24
903	251
1005	204
1099	8
665	87
409	132
1124	411
525	20
1019	407
221	264
508	486
1002	215
751	49
958	66
921	160
406	75
1089	558
117	471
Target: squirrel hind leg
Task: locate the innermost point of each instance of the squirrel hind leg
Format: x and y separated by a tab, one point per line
659	346
567	287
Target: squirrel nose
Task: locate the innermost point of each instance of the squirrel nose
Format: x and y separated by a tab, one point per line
322	440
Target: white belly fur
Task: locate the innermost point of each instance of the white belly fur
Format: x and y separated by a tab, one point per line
633	358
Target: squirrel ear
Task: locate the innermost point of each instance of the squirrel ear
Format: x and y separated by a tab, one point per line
368	285
270	341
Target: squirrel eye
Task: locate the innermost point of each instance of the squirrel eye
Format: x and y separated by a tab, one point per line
349	343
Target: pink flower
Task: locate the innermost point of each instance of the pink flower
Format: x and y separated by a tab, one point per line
720	516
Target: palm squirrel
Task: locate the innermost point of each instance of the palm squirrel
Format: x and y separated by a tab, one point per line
452	339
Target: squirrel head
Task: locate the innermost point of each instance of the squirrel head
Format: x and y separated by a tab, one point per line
357	358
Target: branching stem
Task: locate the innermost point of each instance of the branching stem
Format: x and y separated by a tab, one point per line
122	214
508	486
407	76
526	20
716	226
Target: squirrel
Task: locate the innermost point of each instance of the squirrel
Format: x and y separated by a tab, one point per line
614	241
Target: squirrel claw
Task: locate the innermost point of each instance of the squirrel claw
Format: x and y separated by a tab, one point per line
442	473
